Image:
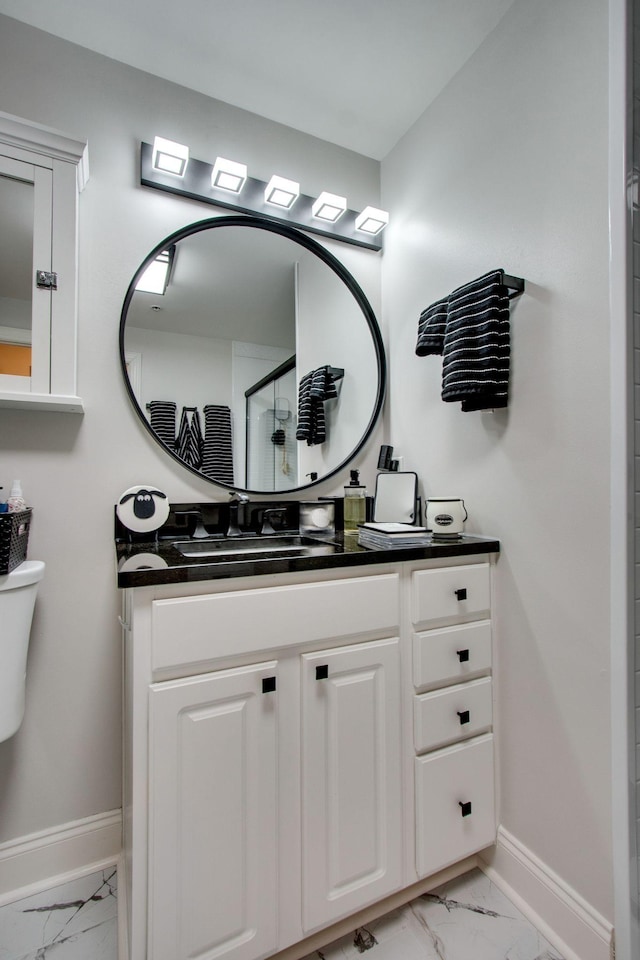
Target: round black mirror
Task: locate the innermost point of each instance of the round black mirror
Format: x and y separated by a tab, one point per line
257	363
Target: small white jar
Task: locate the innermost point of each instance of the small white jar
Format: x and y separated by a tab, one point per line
446	516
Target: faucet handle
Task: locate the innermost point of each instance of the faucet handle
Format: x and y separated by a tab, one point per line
267	526
200	532
237	497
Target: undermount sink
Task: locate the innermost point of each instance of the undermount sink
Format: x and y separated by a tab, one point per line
254	547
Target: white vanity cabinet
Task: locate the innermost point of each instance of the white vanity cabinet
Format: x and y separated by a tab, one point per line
288	758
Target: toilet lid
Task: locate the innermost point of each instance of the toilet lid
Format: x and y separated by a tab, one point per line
29	571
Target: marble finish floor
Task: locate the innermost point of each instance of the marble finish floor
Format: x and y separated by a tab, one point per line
466	919
75	921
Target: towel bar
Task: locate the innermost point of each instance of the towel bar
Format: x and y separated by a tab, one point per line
515	285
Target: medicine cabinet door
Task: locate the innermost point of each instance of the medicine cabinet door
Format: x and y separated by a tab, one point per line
25	246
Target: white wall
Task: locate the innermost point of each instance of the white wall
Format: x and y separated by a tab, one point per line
508	168
190	371
64	763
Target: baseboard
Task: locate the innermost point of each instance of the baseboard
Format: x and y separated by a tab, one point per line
45	859
570	924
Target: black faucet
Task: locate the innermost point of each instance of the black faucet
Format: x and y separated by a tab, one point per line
234	523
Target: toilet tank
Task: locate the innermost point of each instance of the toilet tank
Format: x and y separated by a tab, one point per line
18	591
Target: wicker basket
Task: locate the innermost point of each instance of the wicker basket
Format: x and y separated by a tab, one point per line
14	537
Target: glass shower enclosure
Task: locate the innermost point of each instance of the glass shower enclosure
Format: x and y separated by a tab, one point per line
271	417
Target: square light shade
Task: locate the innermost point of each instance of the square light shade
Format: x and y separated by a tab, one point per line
372	220
170	157
282	192
329	207
155	278
228	175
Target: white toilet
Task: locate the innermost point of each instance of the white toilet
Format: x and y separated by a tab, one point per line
17	599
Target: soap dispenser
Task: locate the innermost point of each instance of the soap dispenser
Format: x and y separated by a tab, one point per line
354	504
16	501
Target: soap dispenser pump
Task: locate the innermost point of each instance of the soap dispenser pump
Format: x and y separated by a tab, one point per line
354	504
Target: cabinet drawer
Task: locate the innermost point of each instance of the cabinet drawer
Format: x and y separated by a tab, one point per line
455	804
193	629
451	593
451	655
454	713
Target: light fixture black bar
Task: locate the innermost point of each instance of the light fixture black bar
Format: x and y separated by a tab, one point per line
196	185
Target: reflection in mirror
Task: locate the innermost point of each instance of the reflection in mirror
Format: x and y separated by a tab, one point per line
16	259
215	365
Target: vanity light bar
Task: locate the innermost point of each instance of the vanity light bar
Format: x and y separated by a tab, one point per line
282	192
167	166
229	175
329	206
170	157
372	220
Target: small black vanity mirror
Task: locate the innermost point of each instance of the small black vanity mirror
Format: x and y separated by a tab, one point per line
258	363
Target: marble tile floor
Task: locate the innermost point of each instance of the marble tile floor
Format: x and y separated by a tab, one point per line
75	921
466	919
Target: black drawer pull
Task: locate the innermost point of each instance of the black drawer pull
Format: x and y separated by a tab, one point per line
464	716
465	808
268	684
461	594
463	655
322	672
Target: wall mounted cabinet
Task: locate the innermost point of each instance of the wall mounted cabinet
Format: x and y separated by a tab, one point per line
41	175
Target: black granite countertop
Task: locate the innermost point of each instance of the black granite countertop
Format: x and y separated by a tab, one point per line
148	564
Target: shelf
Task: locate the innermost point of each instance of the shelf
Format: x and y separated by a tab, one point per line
42	401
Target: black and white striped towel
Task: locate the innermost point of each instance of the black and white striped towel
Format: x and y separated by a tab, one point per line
315	387
189	442
476	349
431	327
217	451
162	417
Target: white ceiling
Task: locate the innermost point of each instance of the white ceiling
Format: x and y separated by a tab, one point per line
354	72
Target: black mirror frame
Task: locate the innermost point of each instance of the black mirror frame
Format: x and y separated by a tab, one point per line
338	268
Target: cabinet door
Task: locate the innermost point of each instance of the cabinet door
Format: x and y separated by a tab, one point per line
351	779
26	214
212	807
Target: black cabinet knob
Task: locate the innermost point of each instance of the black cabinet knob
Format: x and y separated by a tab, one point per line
464	716
461	594
322	672
268	684
463	655
465	808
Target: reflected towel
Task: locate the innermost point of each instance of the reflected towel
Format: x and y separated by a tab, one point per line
217	450
189	442
162	417
315	387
